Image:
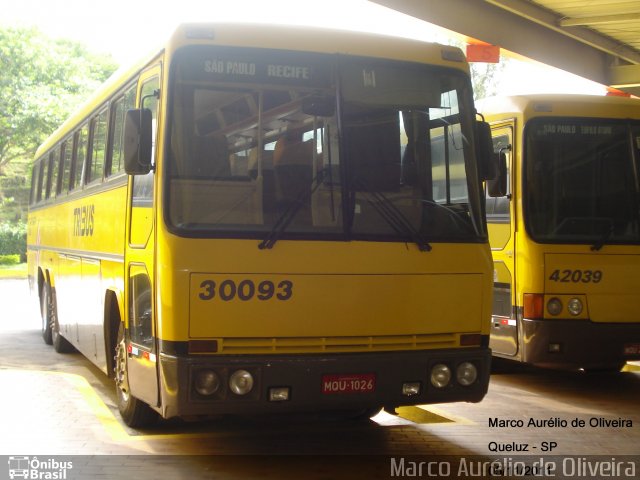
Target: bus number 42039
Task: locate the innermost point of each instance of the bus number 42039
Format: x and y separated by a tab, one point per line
576	276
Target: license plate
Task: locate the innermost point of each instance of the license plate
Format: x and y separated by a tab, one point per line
349	383
632	349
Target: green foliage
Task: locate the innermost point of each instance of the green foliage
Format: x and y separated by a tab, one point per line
9	259
13	239
486	78
41	81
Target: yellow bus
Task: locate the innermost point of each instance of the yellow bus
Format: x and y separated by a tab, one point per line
271	219
564	229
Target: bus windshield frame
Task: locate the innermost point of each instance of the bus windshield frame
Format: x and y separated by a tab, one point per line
298	145
581	182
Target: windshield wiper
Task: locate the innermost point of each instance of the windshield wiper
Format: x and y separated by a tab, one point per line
289	214
396	219
603	239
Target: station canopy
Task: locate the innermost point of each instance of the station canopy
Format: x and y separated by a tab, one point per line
598	40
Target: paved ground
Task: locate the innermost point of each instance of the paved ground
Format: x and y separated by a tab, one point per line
53	405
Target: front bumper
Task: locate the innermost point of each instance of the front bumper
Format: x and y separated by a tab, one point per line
582	343
303	374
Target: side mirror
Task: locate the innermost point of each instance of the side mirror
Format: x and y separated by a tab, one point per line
497	186
486	164
137	141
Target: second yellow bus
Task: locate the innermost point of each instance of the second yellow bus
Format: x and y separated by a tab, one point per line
564	227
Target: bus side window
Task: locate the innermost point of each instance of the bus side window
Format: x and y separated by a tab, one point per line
95	165
140	308
66	152
34	182
54	159
143	184
42	179
80	156
115	159
498	207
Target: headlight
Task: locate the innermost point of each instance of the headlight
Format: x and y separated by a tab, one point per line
574	306
241	382
206	382
554	306
440	375
466	373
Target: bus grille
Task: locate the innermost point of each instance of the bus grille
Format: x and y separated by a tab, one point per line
335	344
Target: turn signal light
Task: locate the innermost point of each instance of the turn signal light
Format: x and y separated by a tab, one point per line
533	306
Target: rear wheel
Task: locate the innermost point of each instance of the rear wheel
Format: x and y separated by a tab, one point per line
134	412
60	344
44	305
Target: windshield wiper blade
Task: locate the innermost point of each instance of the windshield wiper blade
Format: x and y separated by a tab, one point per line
289	214
603	239
396	219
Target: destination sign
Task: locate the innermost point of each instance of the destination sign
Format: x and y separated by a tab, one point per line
255	66
565	128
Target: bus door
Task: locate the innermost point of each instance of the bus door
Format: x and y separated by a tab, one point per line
501	224
139	260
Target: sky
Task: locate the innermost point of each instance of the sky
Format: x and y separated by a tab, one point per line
129	29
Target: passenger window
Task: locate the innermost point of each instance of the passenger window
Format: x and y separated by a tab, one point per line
34	183
54	159
98	147
67	155
42	182
118	112
80	156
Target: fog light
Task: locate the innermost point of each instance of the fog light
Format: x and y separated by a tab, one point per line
206	382
574	306
466	374
279	394
554	306
440	376
241	382
410	389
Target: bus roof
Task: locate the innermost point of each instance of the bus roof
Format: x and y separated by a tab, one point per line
547	105
319	40
285	37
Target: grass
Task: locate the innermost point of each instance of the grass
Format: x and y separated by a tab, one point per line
13	271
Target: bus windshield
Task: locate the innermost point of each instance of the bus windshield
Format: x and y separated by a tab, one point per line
316	146
581	181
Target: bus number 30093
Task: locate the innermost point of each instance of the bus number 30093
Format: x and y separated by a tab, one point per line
245	290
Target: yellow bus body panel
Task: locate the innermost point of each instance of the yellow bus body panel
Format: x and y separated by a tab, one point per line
338	289
612	299
92	224
386	304
78	245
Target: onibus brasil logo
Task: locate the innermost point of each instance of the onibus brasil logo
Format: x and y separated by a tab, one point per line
34	468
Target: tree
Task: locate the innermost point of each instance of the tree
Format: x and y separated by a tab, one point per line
41	81
485	78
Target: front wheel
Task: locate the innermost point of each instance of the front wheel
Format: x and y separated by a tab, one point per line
133	411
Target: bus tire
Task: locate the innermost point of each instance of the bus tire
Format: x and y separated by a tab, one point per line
60	344
134	412
44	305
